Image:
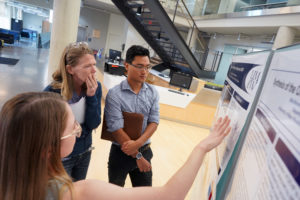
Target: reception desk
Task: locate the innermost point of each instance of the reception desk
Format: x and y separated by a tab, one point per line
173	97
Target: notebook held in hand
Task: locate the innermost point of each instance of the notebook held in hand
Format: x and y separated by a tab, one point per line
133	125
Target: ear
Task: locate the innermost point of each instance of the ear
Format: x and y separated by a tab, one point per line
126	66
69	69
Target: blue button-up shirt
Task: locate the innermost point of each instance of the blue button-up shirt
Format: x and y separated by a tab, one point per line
121	98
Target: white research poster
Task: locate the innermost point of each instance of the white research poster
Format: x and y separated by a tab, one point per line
241	84
269	163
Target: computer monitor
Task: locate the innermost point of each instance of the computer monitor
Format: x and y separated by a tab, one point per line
181	80
113	54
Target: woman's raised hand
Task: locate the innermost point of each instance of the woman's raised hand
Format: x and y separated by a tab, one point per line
220	129
92	85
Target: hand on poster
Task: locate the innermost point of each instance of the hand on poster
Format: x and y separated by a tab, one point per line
220	129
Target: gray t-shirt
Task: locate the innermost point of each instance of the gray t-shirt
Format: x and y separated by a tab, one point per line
53	190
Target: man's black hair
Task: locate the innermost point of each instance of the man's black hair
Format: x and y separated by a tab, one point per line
136	50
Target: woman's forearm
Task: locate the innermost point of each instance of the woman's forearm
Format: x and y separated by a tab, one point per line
176	188
180	183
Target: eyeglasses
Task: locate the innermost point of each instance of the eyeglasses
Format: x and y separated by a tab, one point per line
77	131
147	68
75	45
78	44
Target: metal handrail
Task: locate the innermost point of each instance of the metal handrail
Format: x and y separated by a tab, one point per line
203	43
264	5
188	18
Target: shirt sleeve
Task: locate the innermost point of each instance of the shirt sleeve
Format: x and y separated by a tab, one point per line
154	111
47	89
93	110
113	113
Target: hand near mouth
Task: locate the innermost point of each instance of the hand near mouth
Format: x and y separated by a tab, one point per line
92	85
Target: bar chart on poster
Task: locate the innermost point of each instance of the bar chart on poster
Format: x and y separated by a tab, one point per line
260	158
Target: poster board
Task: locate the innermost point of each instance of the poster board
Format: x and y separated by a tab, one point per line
264	161
241	86
243	78
269	163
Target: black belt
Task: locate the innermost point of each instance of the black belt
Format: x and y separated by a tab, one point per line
144	147
78	155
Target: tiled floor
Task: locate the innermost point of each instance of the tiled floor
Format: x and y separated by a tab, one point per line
29	74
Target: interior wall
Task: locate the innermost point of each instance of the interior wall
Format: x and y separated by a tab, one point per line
134	38
94	20
117	33
33	22
4	16
219	44
120	32
226	59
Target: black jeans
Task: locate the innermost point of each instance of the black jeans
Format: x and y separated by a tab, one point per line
120	164
77	166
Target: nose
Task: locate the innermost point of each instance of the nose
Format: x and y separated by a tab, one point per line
94	69
144	70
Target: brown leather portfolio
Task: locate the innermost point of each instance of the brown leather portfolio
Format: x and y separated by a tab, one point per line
133	125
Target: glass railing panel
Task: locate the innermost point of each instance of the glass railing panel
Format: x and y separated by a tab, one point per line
232	6
180	12
211	7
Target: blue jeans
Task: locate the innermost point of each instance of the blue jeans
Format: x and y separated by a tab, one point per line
120	164
77	165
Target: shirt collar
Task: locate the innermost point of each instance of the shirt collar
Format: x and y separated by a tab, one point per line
125	86
75	98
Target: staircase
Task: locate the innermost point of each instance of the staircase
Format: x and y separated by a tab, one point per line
152	22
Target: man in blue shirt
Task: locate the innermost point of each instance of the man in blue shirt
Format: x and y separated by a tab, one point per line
133	95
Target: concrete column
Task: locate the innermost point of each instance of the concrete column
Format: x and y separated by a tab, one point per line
285	36
64	30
